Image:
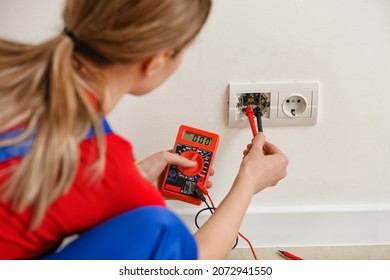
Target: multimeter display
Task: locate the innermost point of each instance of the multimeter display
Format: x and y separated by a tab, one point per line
197	138
196	145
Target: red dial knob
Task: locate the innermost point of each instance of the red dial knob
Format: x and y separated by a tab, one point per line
194	156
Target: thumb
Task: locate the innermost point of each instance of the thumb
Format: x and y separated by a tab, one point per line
271	149
258	143
179	160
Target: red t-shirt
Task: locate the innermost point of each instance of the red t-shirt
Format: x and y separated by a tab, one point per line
122	188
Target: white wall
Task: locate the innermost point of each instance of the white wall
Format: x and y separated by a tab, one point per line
338	176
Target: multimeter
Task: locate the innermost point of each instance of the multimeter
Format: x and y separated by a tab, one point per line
196	145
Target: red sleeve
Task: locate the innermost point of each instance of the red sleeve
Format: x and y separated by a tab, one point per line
121	188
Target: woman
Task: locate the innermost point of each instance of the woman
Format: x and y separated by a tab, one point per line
64	172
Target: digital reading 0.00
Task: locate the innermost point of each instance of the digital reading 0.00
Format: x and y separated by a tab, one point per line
197	138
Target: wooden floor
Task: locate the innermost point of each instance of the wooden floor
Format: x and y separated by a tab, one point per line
377	252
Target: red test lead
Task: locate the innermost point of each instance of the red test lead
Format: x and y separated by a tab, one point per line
289	255
250	115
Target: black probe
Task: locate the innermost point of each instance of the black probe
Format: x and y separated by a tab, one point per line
258	115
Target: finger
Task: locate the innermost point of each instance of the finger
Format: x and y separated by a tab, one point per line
178	160
258	142
248	148
209	184
271	149
212	172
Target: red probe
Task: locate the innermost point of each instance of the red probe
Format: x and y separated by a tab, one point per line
288	255
250	115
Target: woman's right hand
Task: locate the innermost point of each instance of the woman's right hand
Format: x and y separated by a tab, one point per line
263	165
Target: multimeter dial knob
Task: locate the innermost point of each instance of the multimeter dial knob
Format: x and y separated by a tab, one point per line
194	156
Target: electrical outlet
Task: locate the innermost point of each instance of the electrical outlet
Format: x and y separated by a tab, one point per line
293	104
282	104
254	99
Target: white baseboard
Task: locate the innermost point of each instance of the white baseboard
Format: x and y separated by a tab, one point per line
325	225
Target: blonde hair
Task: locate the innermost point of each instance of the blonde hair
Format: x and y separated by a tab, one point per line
41	86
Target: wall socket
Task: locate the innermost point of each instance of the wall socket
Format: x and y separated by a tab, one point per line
282	104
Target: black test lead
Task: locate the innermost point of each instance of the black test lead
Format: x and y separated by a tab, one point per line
258	114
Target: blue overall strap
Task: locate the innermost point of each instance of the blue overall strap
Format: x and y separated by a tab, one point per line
106	129
145	233
22	148
15	150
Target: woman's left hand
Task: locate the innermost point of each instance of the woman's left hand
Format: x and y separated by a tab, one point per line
153	167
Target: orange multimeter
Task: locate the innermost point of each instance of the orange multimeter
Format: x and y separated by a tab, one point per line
199	146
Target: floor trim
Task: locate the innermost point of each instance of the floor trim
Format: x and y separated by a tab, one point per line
324	225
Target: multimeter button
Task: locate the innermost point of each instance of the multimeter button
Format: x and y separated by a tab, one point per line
172	173
194	156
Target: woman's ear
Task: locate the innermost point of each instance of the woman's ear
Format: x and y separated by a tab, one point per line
156	63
